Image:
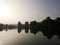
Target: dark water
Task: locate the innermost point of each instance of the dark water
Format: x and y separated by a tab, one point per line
12	37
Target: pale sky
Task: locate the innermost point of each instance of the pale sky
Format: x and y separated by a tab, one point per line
12	11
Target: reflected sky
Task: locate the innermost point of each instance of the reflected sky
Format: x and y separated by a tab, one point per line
12	11
20	10
11	37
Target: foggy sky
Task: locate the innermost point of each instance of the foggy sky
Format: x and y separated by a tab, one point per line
29	10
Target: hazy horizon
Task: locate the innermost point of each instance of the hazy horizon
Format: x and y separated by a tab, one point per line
12	11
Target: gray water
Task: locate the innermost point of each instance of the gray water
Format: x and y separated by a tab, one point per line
12	37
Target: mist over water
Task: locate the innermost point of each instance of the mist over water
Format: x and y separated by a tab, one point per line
11	37
46	32
29	22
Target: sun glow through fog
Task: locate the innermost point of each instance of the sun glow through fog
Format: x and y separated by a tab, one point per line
4	10
28	10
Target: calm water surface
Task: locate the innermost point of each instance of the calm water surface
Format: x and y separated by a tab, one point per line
12	37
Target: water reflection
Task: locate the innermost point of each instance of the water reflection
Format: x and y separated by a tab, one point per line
48	27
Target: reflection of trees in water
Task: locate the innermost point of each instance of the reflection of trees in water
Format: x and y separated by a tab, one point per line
48	27
6	27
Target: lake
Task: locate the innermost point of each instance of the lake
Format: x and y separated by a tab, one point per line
12	37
